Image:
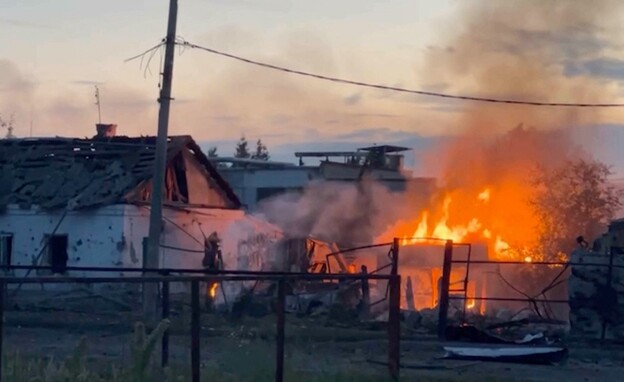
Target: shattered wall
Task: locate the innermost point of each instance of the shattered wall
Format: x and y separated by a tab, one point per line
113	236
95	239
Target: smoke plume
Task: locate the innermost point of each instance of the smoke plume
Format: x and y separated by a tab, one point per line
514	50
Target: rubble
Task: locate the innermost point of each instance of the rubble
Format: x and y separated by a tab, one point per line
508	353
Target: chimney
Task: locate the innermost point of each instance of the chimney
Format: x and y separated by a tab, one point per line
105	130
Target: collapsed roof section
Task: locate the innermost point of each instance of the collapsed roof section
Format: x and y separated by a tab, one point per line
57	173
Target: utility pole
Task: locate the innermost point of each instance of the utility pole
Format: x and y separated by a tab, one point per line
152	260
97	102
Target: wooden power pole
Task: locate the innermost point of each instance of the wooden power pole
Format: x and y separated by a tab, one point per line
152	260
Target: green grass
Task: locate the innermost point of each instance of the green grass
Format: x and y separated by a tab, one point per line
247	356
256	363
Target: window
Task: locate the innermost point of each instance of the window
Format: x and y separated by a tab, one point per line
6	248
144	261
57	253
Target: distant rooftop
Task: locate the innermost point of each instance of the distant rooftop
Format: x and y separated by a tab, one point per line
386	149
361	152
250	163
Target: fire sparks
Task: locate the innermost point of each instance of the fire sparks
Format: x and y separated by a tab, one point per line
213	290
471	303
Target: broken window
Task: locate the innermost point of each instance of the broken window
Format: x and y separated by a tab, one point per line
57	253
6	249
175	186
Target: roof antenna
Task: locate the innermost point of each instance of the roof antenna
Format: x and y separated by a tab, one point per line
97	102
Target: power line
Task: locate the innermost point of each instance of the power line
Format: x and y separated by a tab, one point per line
393	88
141	55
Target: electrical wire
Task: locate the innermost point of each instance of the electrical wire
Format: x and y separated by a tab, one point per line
141	55
530	300
180	249
392	88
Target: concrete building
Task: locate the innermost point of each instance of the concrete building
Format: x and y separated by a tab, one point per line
256	180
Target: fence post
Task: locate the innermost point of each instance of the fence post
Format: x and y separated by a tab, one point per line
443	302
165	315
395	257
195	331
281	323
609	288
394	312
365	292
2	292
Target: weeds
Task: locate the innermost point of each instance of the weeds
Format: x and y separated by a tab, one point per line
74	368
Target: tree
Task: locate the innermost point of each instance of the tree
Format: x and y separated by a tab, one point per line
262	153
242	149
574	199
212	152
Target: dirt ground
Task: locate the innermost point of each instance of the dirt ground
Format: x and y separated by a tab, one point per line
246	348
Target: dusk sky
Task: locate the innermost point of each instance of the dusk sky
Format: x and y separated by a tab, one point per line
53	52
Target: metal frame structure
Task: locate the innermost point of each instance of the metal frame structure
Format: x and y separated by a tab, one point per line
445	296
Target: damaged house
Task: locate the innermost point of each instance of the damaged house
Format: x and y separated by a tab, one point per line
70	202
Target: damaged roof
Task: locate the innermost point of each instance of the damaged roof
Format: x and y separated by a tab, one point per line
55	173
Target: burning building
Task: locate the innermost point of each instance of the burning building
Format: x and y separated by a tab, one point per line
70	202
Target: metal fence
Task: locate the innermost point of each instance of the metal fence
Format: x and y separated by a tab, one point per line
540	298
194	277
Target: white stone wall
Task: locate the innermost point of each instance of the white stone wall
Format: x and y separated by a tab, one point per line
113	236
95	238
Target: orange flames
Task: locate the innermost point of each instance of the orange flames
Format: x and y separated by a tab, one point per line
213	290
472	229
498	217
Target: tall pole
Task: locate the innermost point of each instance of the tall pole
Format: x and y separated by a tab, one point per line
97	103
150	290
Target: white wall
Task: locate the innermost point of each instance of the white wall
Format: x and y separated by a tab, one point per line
95	238
113	236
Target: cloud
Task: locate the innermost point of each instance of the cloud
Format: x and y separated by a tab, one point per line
17	92
27	24
353	99
86	82
498	54
609	68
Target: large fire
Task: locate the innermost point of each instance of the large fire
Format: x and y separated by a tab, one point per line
476	220
498	218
